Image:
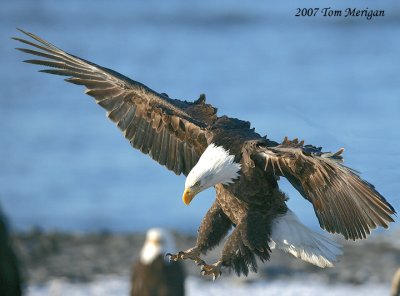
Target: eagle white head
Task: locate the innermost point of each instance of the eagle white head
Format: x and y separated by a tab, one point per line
215	166
158	242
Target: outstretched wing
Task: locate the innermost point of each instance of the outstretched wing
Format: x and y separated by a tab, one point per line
344	203
171	131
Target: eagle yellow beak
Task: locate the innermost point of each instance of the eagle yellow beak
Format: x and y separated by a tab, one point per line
188	195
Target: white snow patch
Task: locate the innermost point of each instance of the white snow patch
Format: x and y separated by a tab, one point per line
119	285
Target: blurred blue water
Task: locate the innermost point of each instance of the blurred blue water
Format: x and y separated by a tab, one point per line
333	82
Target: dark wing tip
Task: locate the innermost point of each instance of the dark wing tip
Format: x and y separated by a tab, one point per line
26	33
35	37
22	31
17	39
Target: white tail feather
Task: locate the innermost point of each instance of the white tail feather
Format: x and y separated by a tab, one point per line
290	235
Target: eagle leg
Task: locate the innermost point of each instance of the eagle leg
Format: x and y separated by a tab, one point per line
192	254
214	227
249	239
213	269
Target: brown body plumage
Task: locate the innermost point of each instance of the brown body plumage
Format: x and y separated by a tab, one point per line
158	278
175	133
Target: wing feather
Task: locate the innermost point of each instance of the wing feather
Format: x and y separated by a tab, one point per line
343	202
171	131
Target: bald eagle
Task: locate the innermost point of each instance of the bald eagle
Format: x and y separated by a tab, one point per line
152	274
244	168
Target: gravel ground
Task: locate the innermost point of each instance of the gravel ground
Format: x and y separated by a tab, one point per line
79	257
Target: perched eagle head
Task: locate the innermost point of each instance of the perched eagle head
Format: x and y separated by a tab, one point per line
215	166
158	242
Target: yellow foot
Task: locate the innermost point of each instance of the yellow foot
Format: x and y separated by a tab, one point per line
192	254
213	269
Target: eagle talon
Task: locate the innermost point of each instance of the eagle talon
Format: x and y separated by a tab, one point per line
213	269
175	257
200	262
192	254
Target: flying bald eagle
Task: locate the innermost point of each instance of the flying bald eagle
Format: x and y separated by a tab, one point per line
153	274
225	153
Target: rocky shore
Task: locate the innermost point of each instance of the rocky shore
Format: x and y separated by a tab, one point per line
80	257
